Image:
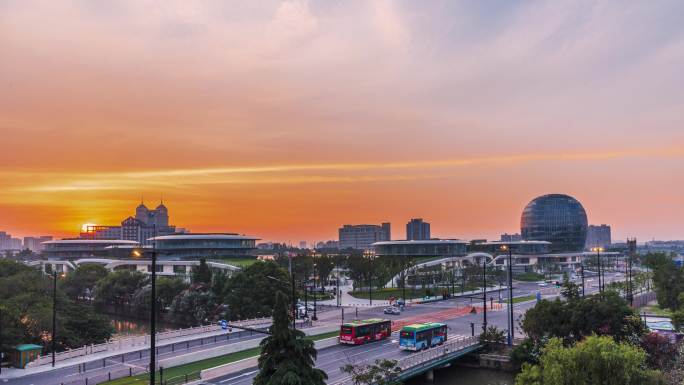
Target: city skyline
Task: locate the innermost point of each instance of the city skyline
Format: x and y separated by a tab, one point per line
289	119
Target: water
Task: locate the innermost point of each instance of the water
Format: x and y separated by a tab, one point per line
126	326
455	375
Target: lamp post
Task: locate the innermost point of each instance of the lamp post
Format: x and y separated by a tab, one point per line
511	332
403	281
484	293
153	314
601	279
582	274
315	317
369	254
54	316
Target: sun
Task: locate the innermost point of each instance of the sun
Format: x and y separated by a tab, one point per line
84	227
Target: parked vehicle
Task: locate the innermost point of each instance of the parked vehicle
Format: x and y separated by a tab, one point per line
422	336
393	310
361	331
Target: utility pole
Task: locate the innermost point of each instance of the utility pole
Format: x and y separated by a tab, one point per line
511	334
294	299
315	317
153	314
403	281
582	274
54	315
484	293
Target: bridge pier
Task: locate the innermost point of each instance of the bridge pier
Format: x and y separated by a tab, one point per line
429	376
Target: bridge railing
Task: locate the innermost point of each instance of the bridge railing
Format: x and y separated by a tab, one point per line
117	345
451	346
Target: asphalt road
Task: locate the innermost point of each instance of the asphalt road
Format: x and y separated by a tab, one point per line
332	359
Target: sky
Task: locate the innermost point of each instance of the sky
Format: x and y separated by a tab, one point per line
287	119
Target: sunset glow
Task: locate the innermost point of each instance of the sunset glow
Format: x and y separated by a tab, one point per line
287	119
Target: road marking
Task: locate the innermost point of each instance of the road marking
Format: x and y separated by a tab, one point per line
236	377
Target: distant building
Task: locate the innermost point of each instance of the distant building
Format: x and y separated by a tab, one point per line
35	244
144	225
443	248
302	244
361	237
194	246
598	236
86	248
8	243
328	245
556	218
505	237
417	230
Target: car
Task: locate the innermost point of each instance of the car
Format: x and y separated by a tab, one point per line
543	284
392	310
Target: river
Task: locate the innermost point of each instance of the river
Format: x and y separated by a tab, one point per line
126	326
457	375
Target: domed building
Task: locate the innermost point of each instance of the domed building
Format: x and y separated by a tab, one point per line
556	218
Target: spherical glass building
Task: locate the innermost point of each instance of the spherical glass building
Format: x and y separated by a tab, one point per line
556	218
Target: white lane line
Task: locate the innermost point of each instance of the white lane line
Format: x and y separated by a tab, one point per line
239	376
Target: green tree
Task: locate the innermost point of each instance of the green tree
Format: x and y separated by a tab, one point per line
570	291
381	372
81	282
491	338
196	305
251	291
287	356
118	287
596	360
678	320
668	279
324	266
201	273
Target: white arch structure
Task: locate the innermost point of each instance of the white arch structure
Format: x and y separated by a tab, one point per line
472	258
168	267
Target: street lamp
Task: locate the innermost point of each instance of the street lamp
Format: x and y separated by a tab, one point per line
294	297
582	274
369	254
315	317
598	251
511	332
53	341
484	293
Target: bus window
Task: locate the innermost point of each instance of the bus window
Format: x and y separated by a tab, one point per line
346	330
408	335
362	331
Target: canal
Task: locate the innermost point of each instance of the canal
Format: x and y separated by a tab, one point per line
456	375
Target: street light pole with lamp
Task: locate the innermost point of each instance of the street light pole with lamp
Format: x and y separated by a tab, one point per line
369	254
315	316
511	332
601	279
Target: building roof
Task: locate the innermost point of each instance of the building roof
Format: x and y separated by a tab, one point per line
91	241
421	242
517	243
198	236
26	347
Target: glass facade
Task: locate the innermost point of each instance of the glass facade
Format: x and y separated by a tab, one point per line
556	218
433	248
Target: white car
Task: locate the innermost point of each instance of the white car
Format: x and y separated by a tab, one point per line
543	284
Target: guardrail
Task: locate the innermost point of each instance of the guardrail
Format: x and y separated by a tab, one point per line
137	341
422	361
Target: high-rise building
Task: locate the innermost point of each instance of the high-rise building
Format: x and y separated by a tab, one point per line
361	237
417	230
35	244
505	237
598	236
302	244
7	242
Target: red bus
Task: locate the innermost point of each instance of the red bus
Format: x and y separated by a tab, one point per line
362	331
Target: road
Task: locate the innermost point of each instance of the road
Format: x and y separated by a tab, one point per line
332	359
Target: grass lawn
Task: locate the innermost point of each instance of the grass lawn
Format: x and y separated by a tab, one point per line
656	310
386	293
523	299
195	367
528	277
238	262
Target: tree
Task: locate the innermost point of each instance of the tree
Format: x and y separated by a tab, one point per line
196	305
201	273
570	291
324	266
661	352
251	292
382	372
118	287
492	337
287	356
668	279
81	282
605	314
596	360
678	320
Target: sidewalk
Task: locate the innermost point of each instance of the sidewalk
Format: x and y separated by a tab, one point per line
8	373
